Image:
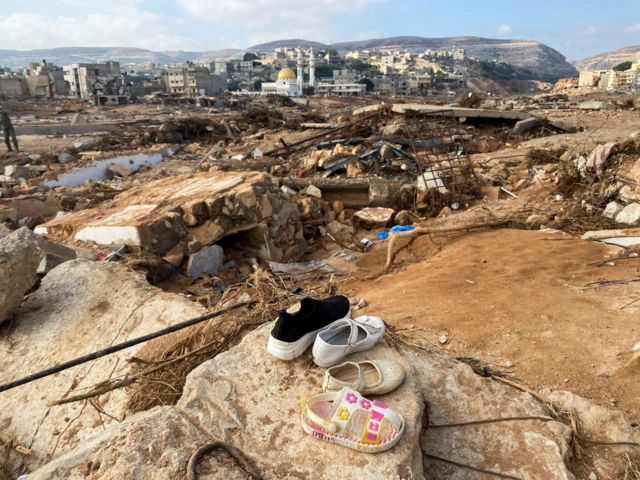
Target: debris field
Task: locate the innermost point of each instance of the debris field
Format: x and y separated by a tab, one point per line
499	240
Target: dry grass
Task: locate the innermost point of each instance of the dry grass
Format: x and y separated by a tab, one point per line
205	341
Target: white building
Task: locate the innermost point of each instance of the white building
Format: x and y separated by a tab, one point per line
290	84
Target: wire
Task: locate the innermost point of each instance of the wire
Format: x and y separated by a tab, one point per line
118	347
469	467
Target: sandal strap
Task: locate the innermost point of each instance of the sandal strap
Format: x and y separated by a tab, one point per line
351	402
358	385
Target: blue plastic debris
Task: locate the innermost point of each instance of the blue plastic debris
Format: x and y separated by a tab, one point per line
397	228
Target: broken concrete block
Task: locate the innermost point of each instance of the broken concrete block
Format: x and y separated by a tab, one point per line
208	260
54	255
593	105
630	214
16	171
627	194
524	126
342	233
152	215
312	191
565	127
373	218
90	143
66	157
8	180
38	169
120	171
79	119
337	206
393	130
20	255
612	210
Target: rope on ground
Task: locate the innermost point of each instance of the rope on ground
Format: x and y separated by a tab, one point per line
237	455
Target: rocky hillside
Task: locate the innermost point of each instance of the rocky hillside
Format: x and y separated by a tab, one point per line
548	63
609	59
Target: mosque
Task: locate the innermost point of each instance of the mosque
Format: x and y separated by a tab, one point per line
288	83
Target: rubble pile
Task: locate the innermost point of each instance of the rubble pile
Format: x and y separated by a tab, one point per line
211	199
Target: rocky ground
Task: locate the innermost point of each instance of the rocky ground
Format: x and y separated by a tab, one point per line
515	297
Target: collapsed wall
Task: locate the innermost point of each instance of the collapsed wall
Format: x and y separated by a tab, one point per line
208	206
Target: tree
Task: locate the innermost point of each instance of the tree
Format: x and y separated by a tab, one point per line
623	67
233	86
326	70
360	66
367	82
309	90
331	51
257	85
249	57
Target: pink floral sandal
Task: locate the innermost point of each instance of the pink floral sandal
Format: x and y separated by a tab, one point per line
350	420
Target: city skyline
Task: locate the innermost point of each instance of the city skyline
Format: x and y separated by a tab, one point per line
200	25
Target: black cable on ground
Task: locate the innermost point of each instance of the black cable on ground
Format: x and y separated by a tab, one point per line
118	347
540	419
237	455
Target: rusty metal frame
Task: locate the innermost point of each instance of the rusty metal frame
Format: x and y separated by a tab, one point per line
437	143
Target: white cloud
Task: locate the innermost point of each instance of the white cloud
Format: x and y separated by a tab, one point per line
274	13
633	28
123	26
504	29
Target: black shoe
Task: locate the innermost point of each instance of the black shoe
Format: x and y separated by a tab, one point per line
292	334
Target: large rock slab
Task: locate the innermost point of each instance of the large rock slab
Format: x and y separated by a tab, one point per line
20	254
252	400
630	214
151	445
80	307
455	394
208	206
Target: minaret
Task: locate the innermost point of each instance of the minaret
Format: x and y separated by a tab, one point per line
312	69
300	71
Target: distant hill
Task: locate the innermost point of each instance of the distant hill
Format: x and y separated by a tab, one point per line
217	55
291	43
609	60
547	63
69	55
544	62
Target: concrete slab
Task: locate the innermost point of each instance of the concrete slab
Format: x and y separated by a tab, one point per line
209	206
459	112
65	129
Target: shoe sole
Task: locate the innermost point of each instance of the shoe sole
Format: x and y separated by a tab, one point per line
289	351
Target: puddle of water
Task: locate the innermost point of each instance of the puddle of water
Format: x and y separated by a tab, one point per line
97	170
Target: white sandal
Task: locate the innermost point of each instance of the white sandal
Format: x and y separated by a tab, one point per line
348	419
344	337
375	377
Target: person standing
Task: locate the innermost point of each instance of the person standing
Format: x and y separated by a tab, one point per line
9	131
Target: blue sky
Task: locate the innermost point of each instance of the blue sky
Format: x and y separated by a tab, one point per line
576	29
